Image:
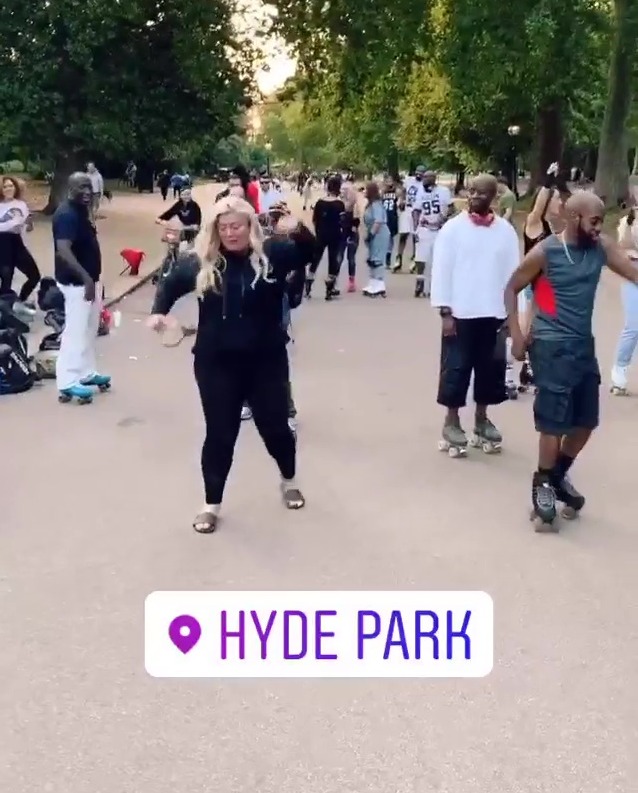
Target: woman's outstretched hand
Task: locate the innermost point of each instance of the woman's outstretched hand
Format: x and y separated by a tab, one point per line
159	323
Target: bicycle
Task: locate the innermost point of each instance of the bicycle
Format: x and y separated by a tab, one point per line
173	239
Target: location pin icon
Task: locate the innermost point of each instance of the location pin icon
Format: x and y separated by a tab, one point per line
184	632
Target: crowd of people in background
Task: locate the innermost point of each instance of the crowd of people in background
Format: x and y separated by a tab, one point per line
461	259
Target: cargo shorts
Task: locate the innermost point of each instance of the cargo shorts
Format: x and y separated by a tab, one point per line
567	379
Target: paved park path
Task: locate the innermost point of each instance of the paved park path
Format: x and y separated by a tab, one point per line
97	503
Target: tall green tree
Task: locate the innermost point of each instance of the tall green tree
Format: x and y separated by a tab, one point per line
297	138
89	77
612	174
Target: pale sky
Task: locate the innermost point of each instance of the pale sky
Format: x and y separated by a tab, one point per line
279	69
251	17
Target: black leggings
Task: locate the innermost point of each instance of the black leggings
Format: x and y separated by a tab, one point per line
227	382
16	256
335	256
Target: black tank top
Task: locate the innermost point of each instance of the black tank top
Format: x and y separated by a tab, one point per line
530	242
328	218
390	201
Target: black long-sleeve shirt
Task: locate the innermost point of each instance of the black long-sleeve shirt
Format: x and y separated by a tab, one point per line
188	212
244	314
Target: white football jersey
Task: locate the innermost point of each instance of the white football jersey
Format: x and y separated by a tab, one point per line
433	204
412	187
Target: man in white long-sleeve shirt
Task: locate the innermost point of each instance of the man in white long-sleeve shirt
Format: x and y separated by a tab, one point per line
475	255
97	188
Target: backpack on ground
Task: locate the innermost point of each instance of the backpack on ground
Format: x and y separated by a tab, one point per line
16	372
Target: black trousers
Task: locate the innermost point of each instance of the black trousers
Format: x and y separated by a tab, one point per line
227	382
477	348
335	256
14	255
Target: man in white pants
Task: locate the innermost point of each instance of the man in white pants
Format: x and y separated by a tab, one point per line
97	188
78	267
432	207
409	192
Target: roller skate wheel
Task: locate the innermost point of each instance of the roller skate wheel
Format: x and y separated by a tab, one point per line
490	448
543	526
617	391
457	451
569	513
104	387
475	442
85	400
444	446
63	399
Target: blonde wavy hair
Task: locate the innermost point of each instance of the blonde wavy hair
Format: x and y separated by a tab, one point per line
349	197
208	245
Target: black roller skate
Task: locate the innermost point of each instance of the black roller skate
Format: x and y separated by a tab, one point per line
398	264
307	287
570	498
331	290
419	288
543	513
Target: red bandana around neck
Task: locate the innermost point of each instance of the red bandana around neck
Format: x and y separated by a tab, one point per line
482	220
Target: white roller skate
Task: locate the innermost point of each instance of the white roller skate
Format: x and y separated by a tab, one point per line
619	381
246	413
375	288
453	441
486	437
510	385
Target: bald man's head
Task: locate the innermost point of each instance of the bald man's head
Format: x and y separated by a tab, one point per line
481	193
584	213
80	188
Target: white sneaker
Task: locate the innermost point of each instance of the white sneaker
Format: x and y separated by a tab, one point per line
375	287
246	413
619	377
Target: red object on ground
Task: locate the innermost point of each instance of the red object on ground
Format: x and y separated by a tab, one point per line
106	317
252	194
133	259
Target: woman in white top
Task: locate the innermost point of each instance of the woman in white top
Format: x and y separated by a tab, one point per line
628	239
14	255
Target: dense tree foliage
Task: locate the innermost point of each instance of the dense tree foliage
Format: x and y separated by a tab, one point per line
141	78
443	80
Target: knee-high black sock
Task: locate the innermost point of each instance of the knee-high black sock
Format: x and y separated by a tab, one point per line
563	463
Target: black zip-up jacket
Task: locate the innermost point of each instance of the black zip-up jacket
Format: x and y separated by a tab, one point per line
242	315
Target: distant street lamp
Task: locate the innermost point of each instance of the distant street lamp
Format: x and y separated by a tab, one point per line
514	131
268	148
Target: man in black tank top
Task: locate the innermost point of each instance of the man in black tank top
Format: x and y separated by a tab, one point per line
390	204
565	270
